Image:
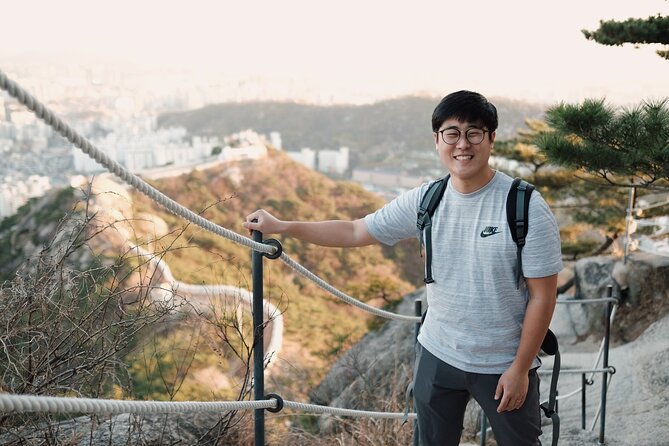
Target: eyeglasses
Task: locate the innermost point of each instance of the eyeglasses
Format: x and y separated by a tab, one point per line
452	135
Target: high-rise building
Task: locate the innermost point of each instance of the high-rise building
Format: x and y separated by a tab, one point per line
333	161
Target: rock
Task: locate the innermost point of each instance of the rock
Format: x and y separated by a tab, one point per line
641	285
650	275
124	429
593	276
376	371
571	323
620	274
154	429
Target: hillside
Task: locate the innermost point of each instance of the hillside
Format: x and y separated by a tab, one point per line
372	132
193	356
321	324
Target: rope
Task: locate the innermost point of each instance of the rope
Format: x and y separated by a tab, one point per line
572	301
343	296
313	408
33	403
610	370
46	115
54	404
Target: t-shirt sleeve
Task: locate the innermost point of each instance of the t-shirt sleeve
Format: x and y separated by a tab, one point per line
396	220
542	254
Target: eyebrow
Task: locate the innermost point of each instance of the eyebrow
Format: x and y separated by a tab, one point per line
451	127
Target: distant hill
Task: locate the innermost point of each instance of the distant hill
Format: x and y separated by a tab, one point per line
372	132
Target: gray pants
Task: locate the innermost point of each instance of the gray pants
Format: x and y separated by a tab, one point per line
441	393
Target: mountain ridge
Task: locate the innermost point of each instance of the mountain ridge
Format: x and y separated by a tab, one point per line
372	132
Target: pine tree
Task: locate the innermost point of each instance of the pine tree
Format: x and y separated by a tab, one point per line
582	204
654	29
627	147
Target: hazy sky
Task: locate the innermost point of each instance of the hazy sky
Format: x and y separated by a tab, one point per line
528	49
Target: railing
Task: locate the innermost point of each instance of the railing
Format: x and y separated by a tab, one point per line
606	370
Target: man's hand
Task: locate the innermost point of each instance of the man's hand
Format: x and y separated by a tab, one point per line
267	223
512	389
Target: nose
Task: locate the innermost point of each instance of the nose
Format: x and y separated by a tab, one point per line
463	142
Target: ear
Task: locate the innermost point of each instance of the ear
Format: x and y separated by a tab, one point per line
493	135
435	135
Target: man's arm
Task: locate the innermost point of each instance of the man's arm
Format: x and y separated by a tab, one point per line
512	386
334	233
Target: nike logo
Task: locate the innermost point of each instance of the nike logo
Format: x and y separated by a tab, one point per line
490	230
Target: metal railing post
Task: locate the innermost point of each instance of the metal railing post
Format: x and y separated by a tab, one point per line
418	311
258	342
605	363
484	428
583	384
557	400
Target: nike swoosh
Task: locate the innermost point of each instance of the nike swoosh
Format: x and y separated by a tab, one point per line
488	234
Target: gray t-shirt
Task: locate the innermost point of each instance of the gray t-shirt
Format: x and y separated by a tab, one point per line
475	312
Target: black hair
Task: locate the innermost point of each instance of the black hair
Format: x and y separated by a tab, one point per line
467	106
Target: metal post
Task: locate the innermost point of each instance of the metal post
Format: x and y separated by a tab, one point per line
628	220
557	400
418	311
605	364
258	341
583	384
484	428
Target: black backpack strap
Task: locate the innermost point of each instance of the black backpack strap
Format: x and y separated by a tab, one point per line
550	347
428	205
517	209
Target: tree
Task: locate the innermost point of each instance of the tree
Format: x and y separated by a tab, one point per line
578	202
628	147
654	29
608	150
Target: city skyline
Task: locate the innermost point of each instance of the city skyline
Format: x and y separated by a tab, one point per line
352	52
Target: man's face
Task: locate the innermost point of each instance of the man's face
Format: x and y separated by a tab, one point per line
466	160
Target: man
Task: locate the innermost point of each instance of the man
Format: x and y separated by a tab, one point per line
482	331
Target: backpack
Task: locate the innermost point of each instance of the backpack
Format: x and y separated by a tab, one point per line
517	208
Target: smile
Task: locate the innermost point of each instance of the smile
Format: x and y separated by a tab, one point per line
463	157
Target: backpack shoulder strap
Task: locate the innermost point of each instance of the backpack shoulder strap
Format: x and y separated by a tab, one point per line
428	204
517	208
549	407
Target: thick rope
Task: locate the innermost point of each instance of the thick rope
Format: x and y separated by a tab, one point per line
343	296
572	301
53	404
172	206
313	408
33	403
